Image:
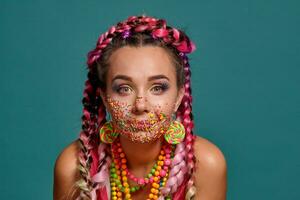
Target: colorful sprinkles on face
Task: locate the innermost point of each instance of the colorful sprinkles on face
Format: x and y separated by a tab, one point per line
145	130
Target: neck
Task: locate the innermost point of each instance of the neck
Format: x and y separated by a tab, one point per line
141	156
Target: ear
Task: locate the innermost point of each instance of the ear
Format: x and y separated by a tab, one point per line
179	97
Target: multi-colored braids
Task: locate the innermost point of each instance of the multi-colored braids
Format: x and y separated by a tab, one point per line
94	157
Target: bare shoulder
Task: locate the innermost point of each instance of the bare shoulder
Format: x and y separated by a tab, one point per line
211	170
208	154
65	172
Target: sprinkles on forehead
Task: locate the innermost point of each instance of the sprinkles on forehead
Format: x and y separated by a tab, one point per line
95	157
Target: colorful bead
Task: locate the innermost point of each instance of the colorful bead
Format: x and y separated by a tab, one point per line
119	174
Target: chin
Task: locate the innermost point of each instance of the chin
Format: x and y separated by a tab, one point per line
142	137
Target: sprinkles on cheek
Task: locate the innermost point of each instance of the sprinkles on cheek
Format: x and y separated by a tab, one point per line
138	130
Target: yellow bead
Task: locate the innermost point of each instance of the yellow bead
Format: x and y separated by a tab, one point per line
127	196
155	178
124	178
158	168
151	196
115	198
153	190
156	173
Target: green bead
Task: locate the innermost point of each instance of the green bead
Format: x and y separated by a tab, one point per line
132	189
120	186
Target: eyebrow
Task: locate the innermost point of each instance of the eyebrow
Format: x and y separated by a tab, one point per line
151	78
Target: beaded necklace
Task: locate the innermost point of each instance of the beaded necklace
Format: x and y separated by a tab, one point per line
119	173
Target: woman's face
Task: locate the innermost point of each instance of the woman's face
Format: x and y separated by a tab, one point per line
141	93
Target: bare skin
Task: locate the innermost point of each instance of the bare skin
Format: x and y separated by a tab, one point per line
210	176
139	66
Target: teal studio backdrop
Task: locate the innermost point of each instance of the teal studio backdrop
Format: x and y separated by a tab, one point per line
245	82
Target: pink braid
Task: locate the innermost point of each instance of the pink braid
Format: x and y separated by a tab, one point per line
88	156
186	112
178	168
175	184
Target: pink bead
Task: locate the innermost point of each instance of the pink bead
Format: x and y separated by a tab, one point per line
162	173
168	151
151	179
131	176
141	182
168	156
167	162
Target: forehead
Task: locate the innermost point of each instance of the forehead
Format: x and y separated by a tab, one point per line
141	62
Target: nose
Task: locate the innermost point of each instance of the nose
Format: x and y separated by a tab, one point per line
140	105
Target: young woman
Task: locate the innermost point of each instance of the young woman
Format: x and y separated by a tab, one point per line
137	139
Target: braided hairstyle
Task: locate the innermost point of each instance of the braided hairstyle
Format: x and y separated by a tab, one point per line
94	156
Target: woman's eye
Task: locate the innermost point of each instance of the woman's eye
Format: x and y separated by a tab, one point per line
158	89
124	90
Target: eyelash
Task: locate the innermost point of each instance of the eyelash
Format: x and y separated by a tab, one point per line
162	87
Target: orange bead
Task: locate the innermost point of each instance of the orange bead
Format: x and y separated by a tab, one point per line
119	194
125	184
127	190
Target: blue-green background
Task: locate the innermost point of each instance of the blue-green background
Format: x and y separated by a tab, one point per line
245	81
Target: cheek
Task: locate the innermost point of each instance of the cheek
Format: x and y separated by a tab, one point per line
118	109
